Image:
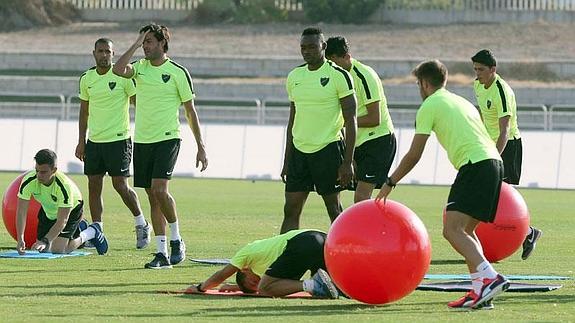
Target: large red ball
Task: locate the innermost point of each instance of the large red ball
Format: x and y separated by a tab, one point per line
377	253
9	204
505	235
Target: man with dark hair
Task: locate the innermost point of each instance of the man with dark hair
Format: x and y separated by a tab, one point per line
375	144
274	267
104	110
498	109
475	192
162	86
60	211
322	102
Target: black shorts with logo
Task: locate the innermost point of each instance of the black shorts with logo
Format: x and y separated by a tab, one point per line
373	159
108	157
70	231
475	191
155	160
315	171
512	159
303	252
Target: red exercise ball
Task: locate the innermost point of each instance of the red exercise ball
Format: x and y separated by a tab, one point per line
506	234
377	253
9	205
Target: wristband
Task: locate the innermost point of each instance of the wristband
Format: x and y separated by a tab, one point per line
199	288
389	182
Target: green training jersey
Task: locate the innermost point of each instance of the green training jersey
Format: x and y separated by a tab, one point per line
260	254
458	127
160	91
318	118
369	89
63	192
496	102
108	98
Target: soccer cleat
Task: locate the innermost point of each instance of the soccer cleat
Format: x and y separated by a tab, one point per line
99	241
178	251
142	236
323	286
465	302
159	262
488	305
490	289
530	241
83	225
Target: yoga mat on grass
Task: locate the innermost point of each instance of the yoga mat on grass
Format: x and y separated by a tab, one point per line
510	277
215	292
41	255
465	285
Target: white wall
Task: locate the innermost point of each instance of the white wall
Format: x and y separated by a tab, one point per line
238	151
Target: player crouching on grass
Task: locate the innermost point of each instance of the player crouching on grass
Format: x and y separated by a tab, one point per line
60	212
274	267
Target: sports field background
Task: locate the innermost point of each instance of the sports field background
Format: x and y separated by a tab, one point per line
219	216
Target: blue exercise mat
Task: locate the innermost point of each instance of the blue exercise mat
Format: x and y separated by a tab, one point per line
510	277
41	255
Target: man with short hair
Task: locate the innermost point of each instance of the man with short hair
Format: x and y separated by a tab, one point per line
322	102
104	111
162	86
375	144
274	267
60	212
498	109
474	194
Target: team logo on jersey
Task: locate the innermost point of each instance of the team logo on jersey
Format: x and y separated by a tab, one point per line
324	81
112	85
165	78
488	104
54	198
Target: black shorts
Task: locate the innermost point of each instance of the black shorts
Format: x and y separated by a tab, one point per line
373	159
475	191
316	171
303	252
70	231
512	158
108	157
155	160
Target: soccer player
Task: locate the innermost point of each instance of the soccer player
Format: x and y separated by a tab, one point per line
498	109
104	105
60	211
475	192
375	144
322	101
162	86
274	267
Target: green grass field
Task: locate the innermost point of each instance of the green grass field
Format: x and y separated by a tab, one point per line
219	216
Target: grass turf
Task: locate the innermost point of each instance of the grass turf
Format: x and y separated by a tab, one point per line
219	216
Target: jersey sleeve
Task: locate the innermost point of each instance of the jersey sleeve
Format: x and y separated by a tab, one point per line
135	68
424	120
84	95
343	83
130	87
240	259
289	86
185	86
502	101
66	198
25	191
369	87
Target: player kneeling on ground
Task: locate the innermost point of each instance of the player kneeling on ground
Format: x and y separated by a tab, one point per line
274	267
60	212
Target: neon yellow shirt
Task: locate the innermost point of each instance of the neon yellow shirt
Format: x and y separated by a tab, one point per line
496	102
260	254
63	192
160	91
318	118
369	89
458	127
108	98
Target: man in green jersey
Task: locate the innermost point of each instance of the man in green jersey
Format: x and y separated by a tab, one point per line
498	109
104	105
274	267
60	211
162	86
375	144
475	192
322	101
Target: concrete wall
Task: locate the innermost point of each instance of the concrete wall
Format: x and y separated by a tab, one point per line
257	152
442	17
